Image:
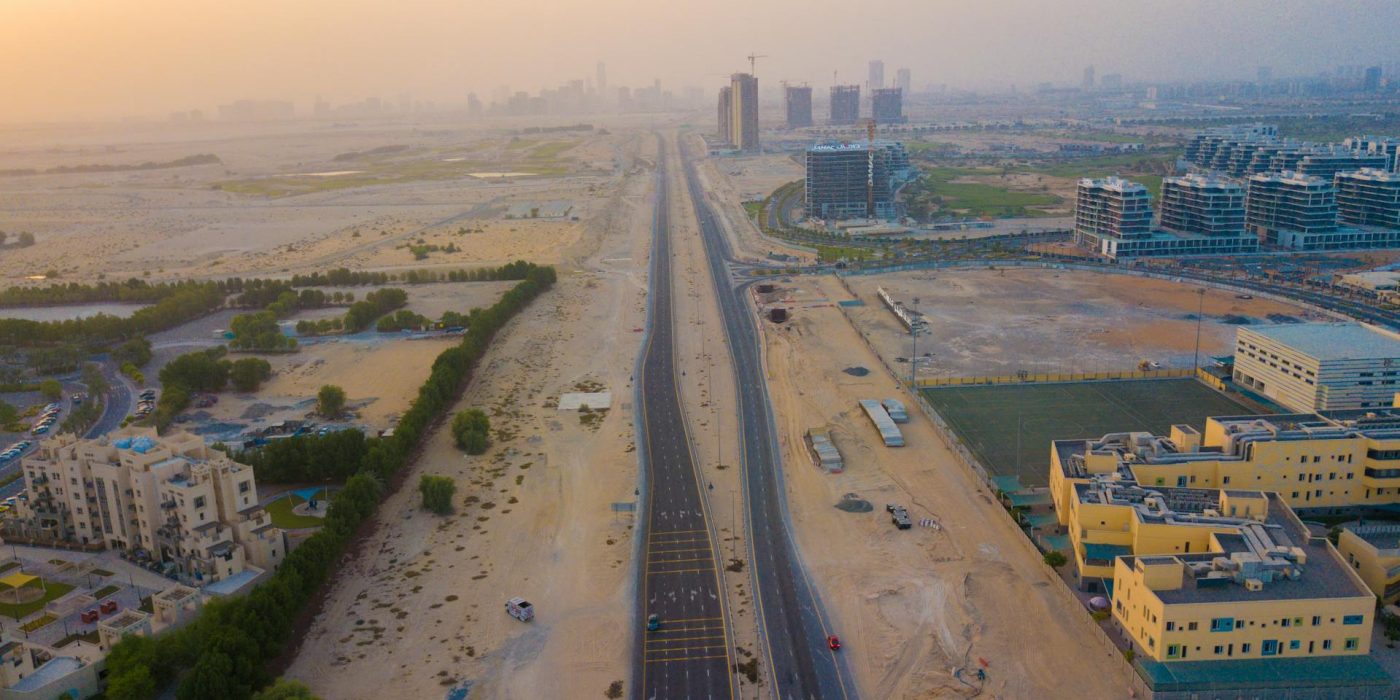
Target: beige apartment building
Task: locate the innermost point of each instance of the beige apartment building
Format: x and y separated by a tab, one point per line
171	498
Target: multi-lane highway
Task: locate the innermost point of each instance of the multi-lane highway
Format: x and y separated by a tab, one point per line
792	622
689	656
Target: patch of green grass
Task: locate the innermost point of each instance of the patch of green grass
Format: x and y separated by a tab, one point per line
105	591
53	591
930	147
89	637
102	572
9	565
833	253
38	623
550	150
936	191
1009	427
283	517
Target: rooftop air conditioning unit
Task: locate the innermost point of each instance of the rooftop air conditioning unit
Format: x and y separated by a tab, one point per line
1253	584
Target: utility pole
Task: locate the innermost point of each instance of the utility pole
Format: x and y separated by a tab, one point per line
1200	309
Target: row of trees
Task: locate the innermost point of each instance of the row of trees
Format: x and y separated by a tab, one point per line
374	305
259	332
343	277
207	371
224	652
133	290
403	319
278	297
179	302
184	302
309	458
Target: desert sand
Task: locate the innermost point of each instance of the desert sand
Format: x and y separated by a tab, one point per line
419	609
291	197
995	322
911	606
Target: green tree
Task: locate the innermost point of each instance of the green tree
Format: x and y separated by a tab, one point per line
93	378
133	683
437	493
197	371
51	389
472	429
136	351
247	374
1055	559
330	400
212	679
8	414
284	689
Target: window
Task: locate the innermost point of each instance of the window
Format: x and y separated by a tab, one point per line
1191	626
1174	651
1222	624
1269	647
1171	626
1219	649
198	501
1317	620
1353	619
1352	643
1294	644
1326	644
1226	480
1285	622
243	486
1244	648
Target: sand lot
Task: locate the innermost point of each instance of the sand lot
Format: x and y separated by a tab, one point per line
380	378
419	610
910	606
291	197
996	322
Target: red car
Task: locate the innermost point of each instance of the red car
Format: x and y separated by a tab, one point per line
832	642
109	607
89	615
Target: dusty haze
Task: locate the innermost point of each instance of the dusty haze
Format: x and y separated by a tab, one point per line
93	59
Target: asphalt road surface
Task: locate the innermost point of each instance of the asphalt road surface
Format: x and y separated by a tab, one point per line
793	624
678	579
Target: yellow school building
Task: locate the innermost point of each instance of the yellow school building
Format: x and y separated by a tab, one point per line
1317	463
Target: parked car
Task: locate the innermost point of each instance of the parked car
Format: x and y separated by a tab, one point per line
833	643
109	607
89	616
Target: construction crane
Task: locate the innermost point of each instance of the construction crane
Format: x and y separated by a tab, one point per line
753	59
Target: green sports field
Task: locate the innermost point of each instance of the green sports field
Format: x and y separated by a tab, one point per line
989	419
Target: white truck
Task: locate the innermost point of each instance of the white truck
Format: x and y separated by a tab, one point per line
520	609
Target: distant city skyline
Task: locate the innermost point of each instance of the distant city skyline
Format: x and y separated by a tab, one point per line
93	60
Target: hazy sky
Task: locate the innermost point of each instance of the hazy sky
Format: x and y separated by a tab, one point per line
62	59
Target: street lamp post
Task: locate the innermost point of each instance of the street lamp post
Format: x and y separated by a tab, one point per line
1200	310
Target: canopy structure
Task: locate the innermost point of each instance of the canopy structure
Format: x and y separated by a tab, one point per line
19	580
308	493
